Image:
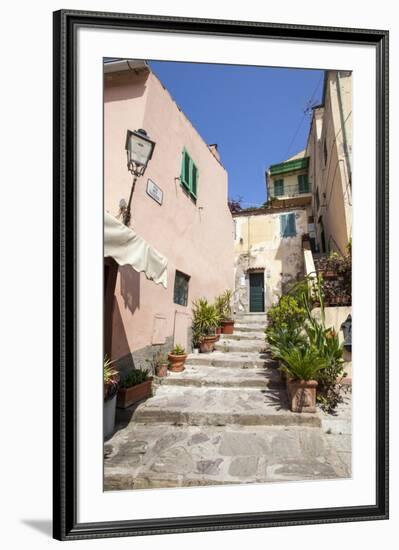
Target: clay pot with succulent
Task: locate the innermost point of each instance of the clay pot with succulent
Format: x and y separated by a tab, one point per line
302	366
161	364
177	358
206	319
226	315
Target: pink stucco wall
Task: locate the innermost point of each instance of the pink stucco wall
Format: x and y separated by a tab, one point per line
197	238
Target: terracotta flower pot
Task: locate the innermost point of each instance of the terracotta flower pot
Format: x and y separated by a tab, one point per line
218	332
176	362
161	370
207	344
129	396
302	395
227	326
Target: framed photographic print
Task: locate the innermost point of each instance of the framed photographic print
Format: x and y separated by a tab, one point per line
221	251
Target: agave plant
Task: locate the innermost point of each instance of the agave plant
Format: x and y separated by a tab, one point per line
111	379
205	317
227	297
303	363
282	338
178	350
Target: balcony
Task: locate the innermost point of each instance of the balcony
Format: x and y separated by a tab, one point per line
295	195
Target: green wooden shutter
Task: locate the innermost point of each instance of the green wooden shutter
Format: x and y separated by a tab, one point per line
303	183
291	229
185	170
278	188
283	224
287	225
194	178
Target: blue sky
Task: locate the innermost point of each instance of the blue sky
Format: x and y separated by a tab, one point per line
254	114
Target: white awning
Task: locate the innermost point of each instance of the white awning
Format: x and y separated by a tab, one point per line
127	248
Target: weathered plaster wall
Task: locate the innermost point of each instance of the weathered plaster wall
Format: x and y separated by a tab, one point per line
197	238
259	246
331	176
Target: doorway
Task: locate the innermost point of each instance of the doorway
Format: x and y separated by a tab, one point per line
110	273
257	292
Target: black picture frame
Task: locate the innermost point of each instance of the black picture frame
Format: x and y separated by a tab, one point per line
66	23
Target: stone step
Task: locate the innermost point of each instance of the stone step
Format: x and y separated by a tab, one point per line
250	327
250	318
200	375
227	345
148	456
219	407
237	335
232	359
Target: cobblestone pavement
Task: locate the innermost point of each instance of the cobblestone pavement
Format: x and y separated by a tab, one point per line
225	420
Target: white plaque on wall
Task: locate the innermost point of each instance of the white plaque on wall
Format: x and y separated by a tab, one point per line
154	191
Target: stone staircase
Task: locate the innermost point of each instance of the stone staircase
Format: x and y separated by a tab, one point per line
225	419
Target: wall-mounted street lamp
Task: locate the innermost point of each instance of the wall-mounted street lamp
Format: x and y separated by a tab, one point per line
139	149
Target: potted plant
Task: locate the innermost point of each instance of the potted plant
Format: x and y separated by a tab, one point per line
135	387
219	305
282	338
177	358
302	366
205	321
196	338
161	364
227	321
111	384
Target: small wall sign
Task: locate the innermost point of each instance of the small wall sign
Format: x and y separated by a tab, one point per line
154	191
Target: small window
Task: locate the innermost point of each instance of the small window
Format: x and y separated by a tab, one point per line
303	183
317	199
279	188
189	175
180	292
287	225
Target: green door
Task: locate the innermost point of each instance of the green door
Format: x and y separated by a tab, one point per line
256	292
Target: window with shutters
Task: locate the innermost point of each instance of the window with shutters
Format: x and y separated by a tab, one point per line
303	183
287	225
189	175
279	188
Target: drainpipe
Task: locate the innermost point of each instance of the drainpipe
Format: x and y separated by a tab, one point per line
341	112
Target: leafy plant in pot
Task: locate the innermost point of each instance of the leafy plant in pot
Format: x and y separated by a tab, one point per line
205	321
161	364
135	387
302	366
111	384
220	306
177	358
227	321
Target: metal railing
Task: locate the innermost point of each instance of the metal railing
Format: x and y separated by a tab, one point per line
293	190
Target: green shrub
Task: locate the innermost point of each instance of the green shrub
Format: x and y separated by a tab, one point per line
288	313
134	377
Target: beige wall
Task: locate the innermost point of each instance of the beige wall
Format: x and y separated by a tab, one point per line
197	238
259	246
331	178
